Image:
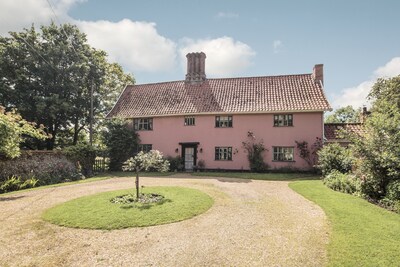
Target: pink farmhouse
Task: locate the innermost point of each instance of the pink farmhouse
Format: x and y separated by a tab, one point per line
207	120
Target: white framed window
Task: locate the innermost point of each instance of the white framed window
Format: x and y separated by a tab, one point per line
283	153
283	120
223	121
223	153
143	124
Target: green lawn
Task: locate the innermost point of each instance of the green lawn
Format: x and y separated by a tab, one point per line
362	233
260	176
97	212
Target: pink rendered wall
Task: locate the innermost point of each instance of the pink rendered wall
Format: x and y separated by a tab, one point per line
168	132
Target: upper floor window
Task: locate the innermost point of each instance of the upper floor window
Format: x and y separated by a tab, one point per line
145	147
189	121
144	124
223	121
223	153
283	153
283	120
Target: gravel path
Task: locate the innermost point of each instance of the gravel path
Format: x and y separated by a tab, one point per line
252	223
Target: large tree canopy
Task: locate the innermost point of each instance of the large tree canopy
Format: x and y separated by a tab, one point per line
344	115
48	77
379	148
13	130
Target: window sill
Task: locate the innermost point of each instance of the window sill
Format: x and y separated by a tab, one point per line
283	161
277	126
223	160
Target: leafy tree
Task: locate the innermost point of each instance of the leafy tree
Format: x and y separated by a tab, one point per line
344	115
48	76
13	130
145	161
121	142
379	148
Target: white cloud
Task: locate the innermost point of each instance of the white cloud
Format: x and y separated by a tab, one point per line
391	69
277	44
357	96
18	14
225	56
227	15
136	45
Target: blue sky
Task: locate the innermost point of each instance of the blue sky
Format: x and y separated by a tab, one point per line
357	41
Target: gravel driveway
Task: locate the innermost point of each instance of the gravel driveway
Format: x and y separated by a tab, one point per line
252	223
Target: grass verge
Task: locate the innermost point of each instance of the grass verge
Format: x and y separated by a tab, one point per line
362	233
97	212
99	177
260	176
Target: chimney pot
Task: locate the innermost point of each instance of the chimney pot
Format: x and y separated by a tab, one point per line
196	67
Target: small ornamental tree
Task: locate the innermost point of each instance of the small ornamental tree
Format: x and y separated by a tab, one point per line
143	162
13	131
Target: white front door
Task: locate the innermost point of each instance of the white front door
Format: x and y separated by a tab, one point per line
189	158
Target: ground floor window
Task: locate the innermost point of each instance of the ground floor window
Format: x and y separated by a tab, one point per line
145	147
223	153
283	153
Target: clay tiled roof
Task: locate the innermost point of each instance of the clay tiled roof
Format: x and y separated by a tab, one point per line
232	95
333	131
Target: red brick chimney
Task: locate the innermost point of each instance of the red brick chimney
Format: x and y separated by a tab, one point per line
196	67
318	73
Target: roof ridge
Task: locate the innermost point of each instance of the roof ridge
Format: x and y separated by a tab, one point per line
228	78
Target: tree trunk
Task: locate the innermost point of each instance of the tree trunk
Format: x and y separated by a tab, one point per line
137	184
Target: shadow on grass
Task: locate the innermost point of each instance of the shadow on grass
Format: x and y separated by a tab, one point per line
144	206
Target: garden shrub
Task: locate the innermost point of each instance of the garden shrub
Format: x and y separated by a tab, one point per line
121	142
389	204
342	182
334	157
46	168
11	184
14	183
175	163
393	190
83	155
